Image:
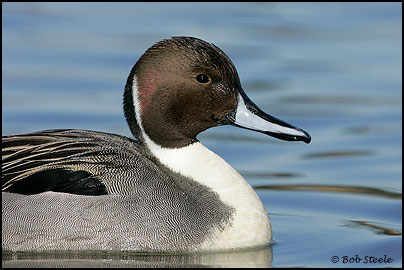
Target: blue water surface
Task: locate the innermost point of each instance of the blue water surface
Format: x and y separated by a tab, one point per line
333	69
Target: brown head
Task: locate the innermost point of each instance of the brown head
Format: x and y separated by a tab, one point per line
182	86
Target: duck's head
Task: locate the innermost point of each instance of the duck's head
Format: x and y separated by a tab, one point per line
182	86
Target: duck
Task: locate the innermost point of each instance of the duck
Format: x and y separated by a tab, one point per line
160	191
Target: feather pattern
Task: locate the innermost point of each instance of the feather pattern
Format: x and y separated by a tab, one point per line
140	205
83	157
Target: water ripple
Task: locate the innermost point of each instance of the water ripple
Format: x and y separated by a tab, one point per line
340	189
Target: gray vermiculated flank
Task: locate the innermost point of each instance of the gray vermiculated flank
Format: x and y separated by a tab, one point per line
148	207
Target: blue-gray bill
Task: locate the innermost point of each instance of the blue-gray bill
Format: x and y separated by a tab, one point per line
249	116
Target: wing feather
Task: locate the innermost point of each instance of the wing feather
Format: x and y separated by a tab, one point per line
57	160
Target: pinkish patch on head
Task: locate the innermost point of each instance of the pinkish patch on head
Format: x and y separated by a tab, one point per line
146	89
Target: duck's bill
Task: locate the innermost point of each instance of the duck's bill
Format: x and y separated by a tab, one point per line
247	115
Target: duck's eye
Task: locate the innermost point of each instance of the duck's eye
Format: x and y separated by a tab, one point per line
202	78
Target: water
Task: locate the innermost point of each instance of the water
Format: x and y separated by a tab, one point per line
333	69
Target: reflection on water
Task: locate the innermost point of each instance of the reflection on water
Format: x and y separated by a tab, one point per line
270	175
338	154
378	229
249	258
373	129
344	100
339	189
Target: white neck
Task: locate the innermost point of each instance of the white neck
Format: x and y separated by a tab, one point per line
250	226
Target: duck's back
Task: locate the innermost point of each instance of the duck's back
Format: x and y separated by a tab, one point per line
73	161
86	190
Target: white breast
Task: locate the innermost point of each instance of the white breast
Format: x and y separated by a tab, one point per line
250	226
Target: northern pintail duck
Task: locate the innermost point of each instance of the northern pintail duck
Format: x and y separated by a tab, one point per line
161	192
